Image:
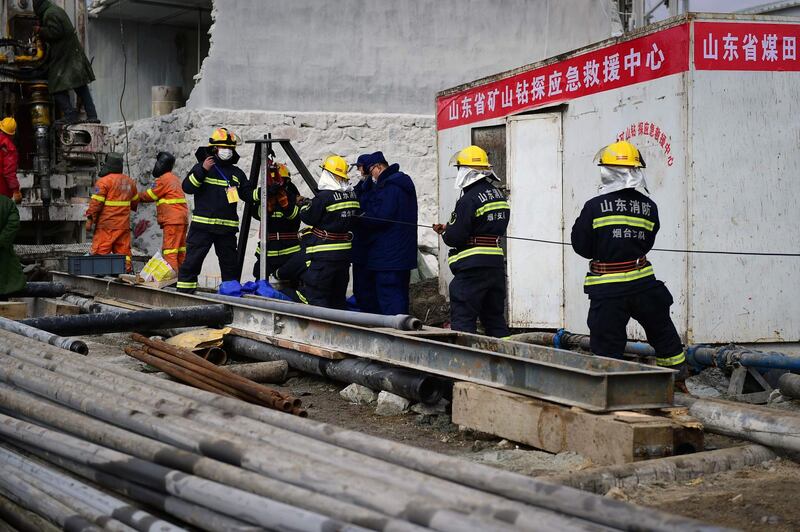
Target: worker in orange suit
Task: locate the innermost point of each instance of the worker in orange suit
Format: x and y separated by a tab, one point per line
110	209
9	186
172	212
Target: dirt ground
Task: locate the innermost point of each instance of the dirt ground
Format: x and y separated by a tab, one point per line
764	496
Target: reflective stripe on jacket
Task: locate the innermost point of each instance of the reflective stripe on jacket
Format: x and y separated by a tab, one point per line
113	199
171	206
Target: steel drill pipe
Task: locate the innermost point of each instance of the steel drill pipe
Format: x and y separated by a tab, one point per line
403	322
424	487
35	289
273	372
225	499
80	425
789	385
542	495
216	380
104	504
70	344
62	492
192	514
22	493
184	375
83	324
778	429
229	378
413	385
24	520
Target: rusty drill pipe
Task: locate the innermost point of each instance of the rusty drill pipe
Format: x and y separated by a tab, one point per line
228	377
215	355
181	374
218	380
273	372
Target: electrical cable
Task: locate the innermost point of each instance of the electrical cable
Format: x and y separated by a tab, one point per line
122	94
560	243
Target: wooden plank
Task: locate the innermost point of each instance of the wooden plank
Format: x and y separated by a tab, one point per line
121	303
14	310
57	307
138	281
289	344
605	439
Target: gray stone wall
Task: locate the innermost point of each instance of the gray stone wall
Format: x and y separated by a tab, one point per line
404	138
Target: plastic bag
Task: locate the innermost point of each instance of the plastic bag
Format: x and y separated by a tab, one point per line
157	269
230	288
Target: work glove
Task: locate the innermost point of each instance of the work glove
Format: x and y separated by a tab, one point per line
17	197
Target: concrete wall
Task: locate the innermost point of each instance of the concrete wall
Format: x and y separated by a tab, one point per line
157	55
406	139
381	56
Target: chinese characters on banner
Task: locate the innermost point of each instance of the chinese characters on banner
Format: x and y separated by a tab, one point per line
649	57
650	129
746	46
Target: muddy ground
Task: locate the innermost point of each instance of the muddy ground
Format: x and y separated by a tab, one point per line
757	498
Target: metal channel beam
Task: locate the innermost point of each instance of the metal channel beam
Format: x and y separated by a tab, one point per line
593	383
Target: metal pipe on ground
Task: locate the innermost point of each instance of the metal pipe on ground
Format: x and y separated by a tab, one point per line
104	504
70	344
789	385
231	501
22	493
421	485
671	469
22	519
494	482
121	439
192	514
566	340
415	502
413	385
40	289
82	324
273	372
403	322
778	429
221	374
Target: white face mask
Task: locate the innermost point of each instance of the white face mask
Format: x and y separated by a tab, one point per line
224	154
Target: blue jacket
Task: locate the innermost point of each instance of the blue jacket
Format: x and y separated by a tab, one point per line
391	246
360	230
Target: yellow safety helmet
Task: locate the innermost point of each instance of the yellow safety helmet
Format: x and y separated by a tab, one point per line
223	138
283	170
474	156
621	153
8	125
336	165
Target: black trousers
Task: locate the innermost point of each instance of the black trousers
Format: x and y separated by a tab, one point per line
65	104
325	284
608	318
479	293
198	244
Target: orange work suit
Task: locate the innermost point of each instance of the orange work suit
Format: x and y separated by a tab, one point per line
110	209
172	214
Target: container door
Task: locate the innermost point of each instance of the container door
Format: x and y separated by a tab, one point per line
534	176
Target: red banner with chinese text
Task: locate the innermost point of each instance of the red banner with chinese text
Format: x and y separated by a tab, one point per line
646	58
746	46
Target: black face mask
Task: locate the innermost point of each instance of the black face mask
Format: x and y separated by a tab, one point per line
165	161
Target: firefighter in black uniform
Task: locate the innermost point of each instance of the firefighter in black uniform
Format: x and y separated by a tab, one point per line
615	230
284	219
474	233
330	214
217	184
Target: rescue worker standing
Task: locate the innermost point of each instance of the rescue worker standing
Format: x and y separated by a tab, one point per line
67	65
11	277
391	233
110	209
9	185
284	219
172	211
217	184
363	286
615	230
474	233
330	214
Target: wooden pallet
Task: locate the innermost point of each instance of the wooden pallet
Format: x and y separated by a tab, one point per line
612	438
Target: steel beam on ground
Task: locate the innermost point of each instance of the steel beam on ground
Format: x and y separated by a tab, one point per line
593	383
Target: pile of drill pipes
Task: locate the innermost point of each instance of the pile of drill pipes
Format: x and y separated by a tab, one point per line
237	465
187	367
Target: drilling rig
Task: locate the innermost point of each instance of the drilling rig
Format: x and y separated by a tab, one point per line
58	165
